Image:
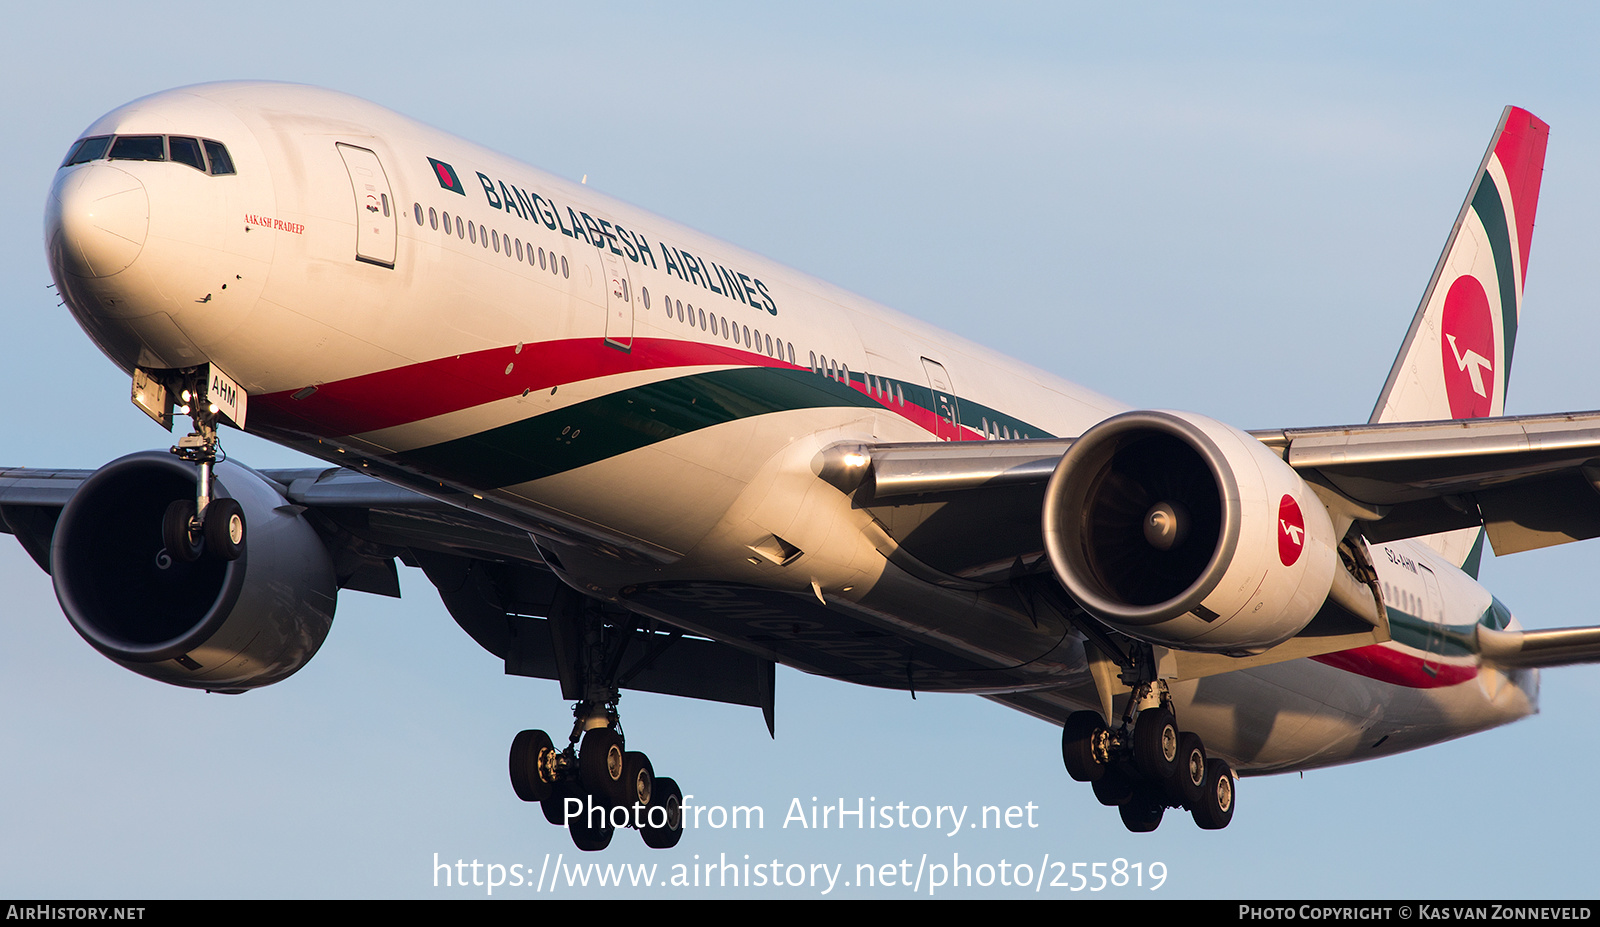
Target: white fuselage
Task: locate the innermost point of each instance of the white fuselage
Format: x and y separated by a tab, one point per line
396	299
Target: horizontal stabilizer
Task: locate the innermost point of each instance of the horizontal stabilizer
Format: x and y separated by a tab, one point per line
1531	649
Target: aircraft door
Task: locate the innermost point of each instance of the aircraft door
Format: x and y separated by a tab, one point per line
619	301
1433	617
945	411
375	208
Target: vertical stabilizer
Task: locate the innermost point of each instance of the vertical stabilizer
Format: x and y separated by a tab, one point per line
1456	359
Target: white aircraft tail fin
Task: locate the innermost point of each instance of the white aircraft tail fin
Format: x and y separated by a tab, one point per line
1456	359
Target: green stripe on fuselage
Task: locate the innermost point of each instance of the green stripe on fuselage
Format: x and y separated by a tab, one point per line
604	427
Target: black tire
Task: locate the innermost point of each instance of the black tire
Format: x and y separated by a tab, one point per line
1078	736
181	545
554	805
587	838
1113	789
600	766
224	529
530	752
1216	805
1155	744
1142	813
1188	782
638	778
667	796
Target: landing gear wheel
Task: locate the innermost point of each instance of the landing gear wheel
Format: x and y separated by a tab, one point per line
1188	783
1155	744
638	777
663	822
588	838
554	805
182	544
224	529
600	762
1113	789
1142	813
530	751
1215	808
1078	738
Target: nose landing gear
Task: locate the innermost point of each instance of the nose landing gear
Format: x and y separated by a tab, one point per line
204	526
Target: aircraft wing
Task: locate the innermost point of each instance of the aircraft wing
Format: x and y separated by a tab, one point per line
1532	481
491	576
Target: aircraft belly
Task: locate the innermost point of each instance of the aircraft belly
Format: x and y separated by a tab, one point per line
1303	714
854	643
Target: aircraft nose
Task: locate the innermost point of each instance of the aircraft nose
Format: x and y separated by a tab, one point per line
96	220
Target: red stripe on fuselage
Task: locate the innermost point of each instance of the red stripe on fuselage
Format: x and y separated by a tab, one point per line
402	395
1397	667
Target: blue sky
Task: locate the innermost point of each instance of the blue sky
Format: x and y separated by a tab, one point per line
1228	211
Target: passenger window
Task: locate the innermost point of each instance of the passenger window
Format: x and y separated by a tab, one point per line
433	219
139	148
187	151
218	156
564	271
88	149
472	232
645	292
419	213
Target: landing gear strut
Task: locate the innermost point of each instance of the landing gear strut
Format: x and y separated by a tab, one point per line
204	525
1146	764
595	784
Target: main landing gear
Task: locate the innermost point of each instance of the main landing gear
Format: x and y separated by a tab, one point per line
204	526
596	784
1148	765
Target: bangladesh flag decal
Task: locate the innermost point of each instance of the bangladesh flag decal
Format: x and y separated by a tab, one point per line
447	176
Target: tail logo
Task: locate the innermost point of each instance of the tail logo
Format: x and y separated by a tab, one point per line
1467	349
1291	531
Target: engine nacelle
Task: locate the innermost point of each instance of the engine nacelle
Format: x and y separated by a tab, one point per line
1182	531
221	625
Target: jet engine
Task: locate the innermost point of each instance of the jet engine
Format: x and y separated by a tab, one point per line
215	624
1182	531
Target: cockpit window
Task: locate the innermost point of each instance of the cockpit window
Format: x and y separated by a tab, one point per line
87	149
180	148
139	148
186	151
220	162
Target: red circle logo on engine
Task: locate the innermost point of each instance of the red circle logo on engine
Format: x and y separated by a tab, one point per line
1291	531
1467	350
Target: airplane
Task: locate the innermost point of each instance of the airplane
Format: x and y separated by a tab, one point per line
632	457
